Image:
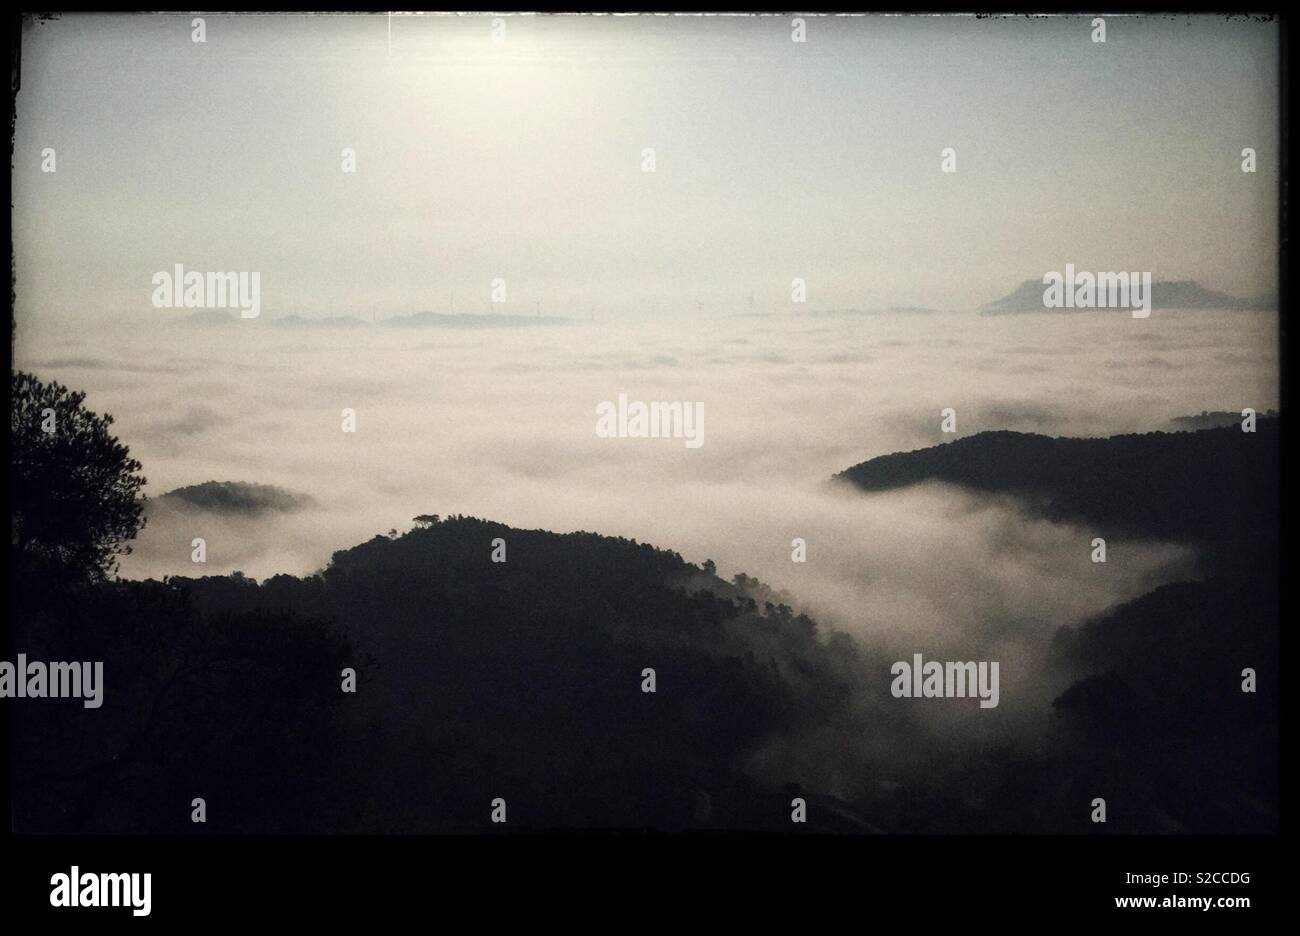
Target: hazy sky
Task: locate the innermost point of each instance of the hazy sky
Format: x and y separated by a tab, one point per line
523	159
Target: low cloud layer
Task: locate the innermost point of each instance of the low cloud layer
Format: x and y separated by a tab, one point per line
501	424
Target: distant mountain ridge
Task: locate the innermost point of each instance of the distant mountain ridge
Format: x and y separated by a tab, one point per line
888	310
333	321
1172	294
470	320
215	318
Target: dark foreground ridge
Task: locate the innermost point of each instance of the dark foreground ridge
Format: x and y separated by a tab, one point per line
525	680
521	679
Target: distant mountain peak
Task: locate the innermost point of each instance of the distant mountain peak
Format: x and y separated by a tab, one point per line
1165	294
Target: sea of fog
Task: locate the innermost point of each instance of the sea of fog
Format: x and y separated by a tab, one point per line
500	423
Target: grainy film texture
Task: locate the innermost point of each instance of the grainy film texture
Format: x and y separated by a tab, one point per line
482	424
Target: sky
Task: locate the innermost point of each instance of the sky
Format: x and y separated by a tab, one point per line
522	159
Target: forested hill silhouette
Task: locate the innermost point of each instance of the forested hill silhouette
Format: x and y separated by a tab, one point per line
524	679
1215	487
1161	676
236	497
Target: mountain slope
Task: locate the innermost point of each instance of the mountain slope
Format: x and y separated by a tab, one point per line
1159	680
1216	487
523	679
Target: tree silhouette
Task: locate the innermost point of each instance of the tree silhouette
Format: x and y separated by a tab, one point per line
75	489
